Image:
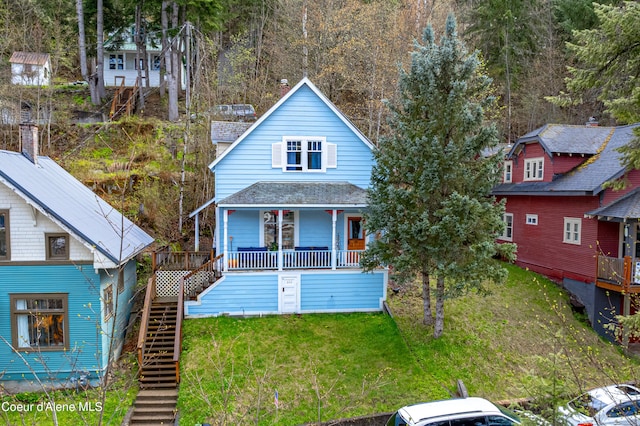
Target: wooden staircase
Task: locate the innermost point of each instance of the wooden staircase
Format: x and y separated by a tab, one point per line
156	401
160	335
158	370
124	100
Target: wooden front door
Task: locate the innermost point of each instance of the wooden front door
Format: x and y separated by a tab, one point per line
355	232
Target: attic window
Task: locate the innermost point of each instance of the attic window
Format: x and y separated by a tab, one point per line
304	154
534	169
57	246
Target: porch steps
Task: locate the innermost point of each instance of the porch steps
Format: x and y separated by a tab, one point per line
154	407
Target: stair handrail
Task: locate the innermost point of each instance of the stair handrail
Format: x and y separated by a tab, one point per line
209	266
116	99
144	321
177	343
131	101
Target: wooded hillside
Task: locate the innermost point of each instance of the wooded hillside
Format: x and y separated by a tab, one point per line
241	49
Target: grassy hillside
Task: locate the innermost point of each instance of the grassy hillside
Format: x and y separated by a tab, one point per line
521	341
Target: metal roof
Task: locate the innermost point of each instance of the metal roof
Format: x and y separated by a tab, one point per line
29	58
292	194
586	179
57	194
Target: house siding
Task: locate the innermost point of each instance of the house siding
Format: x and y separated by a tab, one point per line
113	334
314	228
81	283
27	232
323	293
303	114
320	291
541	247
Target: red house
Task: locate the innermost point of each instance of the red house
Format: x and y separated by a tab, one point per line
566	222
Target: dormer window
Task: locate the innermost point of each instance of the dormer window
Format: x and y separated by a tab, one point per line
304	154
534	169
508	171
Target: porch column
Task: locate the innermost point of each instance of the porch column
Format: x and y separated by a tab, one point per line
197	236
334	220
280	213
225	221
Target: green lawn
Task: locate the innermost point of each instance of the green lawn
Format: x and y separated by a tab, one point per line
521	341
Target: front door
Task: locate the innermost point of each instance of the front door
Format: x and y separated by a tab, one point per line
355	232
288	294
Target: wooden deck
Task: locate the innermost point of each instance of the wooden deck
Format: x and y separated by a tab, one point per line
618	274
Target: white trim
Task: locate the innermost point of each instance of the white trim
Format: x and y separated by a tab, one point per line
304	82
572	230
531	219
505	234
533	169
507	177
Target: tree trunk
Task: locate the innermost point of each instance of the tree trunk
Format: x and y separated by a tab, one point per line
100	51
141	57
172	67
426	299
82	46
439	325
164	64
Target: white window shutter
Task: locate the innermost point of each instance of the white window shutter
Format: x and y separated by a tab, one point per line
332	155
276	155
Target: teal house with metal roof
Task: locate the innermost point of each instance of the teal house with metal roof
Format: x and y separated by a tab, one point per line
67	274
290	193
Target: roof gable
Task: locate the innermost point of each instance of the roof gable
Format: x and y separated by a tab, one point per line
304	83
565	139
589	177
57	194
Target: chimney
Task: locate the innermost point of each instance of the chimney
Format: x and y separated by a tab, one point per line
29	139
284	87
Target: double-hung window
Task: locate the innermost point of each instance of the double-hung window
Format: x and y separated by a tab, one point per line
39	321
507	234
508	171
116	62
5	244
572	230
534	169
304	154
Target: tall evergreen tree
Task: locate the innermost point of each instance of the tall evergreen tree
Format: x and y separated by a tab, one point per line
430	198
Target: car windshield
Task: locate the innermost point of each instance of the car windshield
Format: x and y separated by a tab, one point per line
587	404
513	416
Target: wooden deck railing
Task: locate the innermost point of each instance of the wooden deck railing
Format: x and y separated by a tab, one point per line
180	260
617	273
148	298
208	272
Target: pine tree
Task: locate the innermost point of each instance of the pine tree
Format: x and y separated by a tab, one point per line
430	198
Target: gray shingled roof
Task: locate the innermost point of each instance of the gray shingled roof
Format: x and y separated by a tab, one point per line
227	131
627	207
567	139
292	194
586	179
55	192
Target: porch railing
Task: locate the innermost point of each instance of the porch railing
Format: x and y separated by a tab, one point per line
292	259
169	260
618	271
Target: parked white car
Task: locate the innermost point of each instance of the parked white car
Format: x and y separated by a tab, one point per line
606	406
470	411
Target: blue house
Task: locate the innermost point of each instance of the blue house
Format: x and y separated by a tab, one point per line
67	273
289	197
